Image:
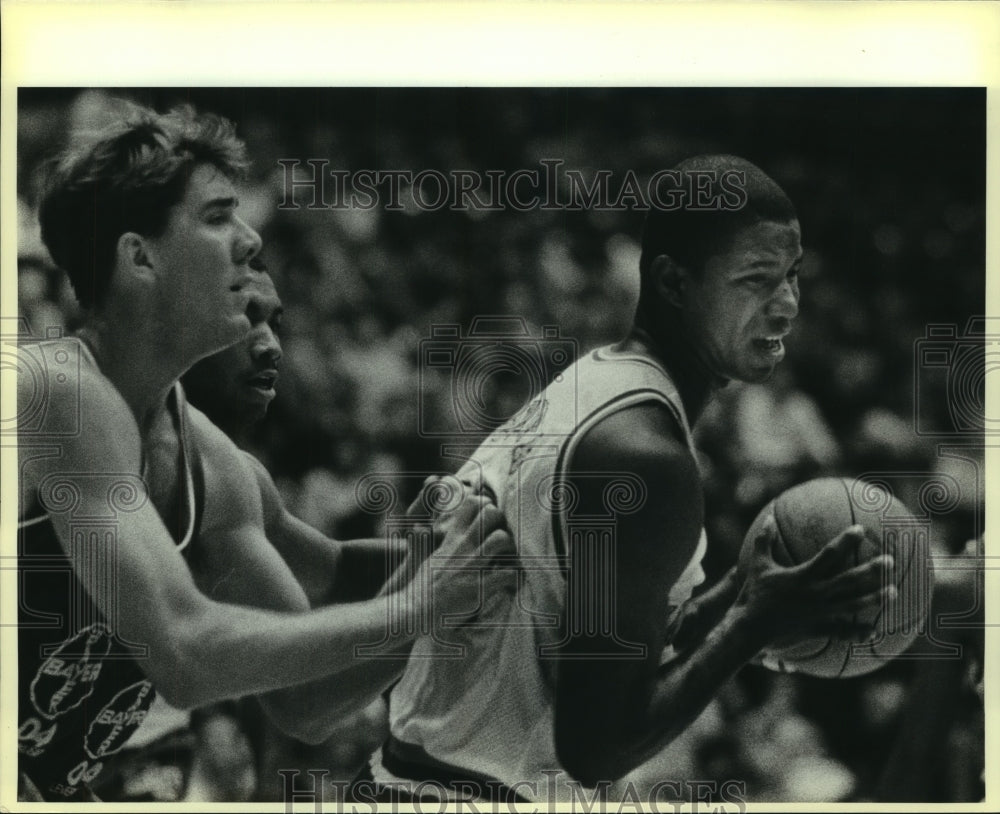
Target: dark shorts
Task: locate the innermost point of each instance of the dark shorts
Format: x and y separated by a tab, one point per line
428	779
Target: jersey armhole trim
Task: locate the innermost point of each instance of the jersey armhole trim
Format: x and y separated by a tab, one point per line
625	400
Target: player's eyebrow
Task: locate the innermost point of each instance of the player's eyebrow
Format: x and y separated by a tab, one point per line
759	263
768	262
230	202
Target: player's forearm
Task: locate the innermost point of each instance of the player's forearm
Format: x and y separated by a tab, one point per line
685	686
313	558
334	570
700	615
623	732
312	712
226	651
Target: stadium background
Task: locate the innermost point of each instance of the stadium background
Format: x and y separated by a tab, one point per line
890	188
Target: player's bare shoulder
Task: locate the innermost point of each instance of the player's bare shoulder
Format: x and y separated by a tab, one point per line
647	441
213	441
645	437
62	395
71	418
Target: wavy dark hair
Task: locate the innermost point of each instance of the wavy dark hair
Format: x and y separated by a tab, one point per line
126	178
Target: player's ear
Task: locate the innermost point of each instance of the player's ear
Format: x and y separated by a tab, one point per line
133	254
670	279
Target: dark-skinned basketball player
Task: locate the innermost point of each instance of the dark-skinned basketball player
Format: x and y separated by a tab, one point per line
596	658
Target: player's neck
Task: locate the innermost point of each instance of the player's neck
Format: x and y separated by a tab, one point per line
694	381
130	357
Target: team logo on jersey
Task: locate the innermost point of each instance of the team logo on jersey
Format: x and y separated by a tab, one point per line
522	427
122	715
527	419
69	675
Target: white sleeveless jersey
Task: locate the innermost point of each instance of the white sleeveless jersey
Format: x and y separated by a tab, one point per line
488	712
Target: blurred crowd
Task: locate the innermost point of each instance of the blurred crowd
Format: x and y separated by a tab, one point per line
891	195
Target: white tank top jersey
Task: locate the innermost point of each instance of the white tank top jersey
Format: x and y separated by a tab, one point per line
488	713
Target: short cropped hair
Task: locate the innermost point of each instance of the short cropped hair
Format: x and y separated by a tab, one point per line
124	179
732	194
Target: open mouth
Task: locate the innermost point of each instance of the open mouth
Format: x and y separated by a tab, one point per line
769	344
264	381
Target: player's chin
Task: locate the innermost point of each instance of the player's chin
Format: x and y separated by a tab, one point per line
759	363
251	415
756	372
257	399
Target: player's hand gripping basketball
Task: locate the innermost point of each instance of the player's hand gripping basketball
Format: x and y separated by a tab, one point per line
825	595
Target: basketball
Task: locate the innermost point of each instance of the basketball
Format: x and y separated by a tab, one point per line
811	514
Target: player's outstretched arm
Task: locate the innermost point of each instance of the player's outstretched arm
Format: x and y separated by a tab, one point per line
612	714
311	711
328	570
200	649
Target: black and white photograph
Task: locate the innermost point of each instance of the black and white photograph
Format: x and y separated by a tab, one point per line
410	446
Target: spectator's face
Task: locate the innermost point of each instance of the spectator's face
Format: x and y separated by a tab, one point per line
200	263
740	307
235	386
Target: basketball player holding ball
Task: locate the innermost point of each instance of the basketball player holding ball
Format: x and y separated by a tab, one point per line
546	694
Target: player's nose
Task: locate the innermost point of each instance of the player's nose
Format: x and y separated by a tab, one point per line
266	345
785	302
247	243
